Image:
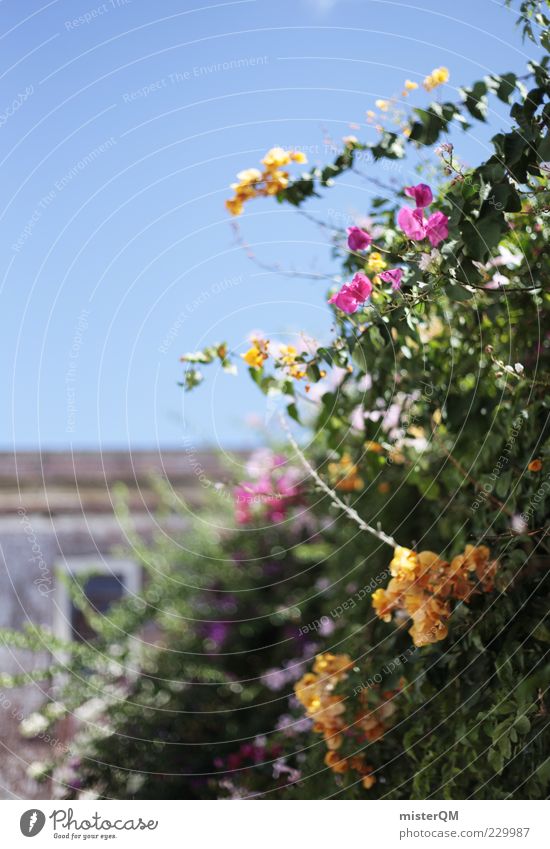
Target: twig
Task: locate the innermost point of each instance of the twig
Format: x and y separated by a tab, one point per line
353	514
274	268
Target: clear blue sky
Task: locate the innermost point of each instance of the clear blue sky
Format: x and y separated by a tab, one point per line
120	132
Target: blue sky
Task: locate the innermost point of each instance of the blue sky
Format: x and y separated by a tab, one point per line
122	124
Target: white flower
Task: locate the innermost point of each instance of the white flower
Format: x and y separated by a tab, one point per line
508	258
431	261
38	770
496	281
90	710
518	524
33	725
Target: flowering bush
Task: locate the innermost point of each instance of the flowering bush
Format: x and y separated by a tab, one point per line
427	413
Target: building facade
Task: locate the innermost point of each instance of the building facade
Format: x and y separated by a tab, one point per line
58	516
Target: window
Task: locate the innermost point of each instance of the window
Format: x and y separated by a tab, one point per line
104	581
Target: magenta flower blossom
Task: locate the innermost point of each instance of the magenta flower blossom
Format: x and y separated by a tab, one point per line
393	276
274	490
353	294
417	227
412	222
358	240
437	228
421	193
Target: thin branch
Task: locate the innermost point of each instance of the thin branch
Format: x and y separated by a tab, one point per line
274	268
353	514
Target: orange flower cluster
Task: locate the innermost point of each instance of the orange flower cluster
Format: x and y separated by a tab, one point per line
253	183
315	690
344	475
423	586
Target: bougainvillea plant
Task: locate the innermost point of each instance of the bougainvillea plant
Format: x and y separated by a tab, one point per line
375	626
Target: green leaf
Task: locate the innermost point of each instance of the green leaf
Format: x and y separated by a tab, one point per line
506	86
293	412
475	100
481	236
522	725
495	760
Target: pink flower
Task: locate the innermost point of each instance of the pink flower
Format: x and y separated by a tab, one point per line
275	488
437	228
393	276
353	294
358	240
421	193
412	223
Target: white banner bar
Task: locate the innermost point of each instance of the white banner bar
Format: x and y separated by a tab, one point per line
264	824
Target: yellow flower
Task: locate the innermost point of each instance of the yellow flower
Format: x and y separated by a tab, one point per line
257	354
332	664
275	158
423	585
335	762
234	206
371	114
288	358
350	141
253	183
410	86
368	781
275	181
375	262
248	176
383	604
440	75
436	78
288	354
429	617
253	357
373	446
383	105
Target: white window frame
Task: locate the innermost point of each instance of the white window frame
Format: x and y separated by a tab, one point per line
95	565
